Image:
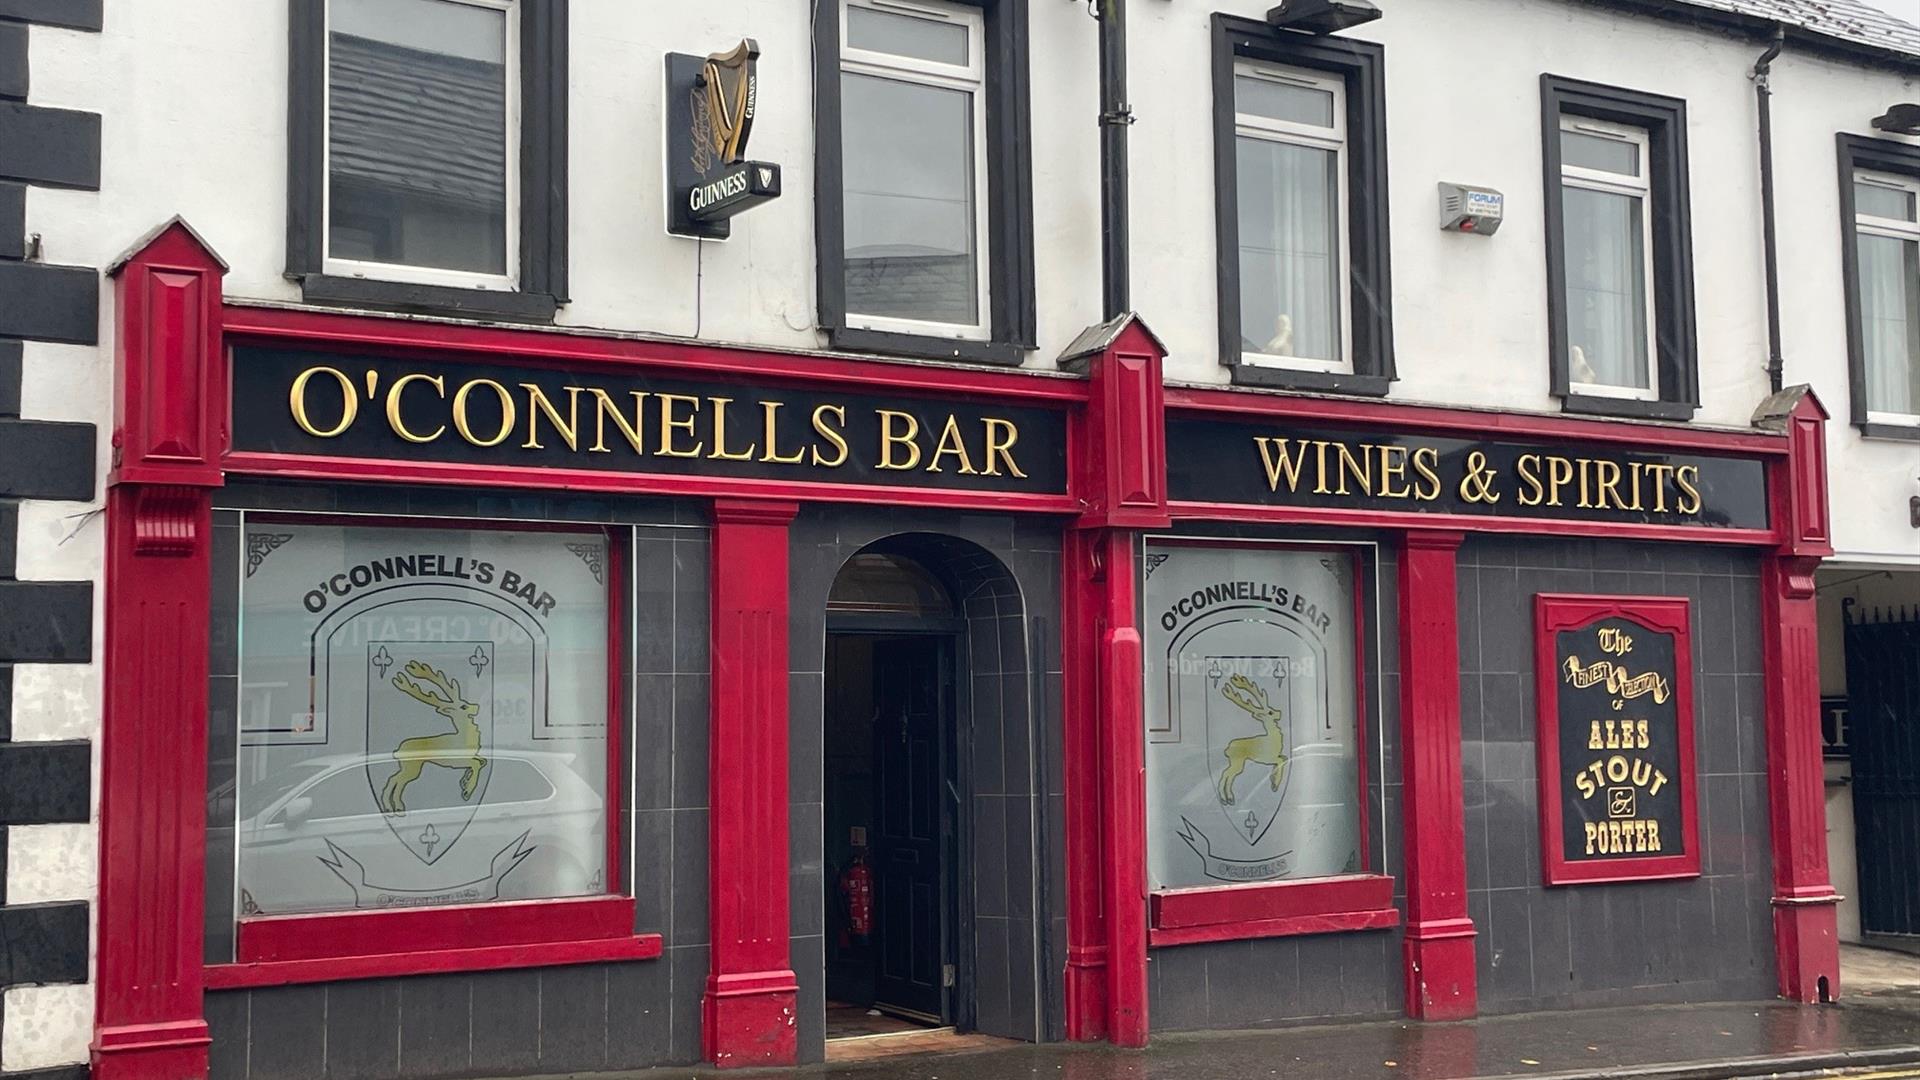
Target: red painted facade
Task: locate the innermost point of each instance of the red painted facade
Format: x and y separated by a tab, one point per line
171	453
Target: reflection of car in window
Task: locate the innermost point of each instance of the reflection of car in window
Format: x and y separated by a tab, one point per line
326	805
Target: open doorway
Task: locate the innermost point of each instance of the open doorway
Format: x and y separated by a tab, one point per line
892	803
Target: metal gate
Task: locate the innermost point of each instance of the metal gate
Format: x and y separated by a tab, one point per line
1883	691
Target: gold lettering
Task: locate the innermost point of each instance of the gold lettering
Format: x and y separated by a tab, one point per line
1641	727
1592	829
1585	783
832	434
1607	484
1660	486
889	439
1686	477
1529	469
1320	454
1426	462
465	428
1002	448
1559	475
952	442
1659	781
1653	835
669	424
1361	468
1635	485
1593	738
603	407
770	423
397	422
297	401
567	429
720	452
1273	454
1393	471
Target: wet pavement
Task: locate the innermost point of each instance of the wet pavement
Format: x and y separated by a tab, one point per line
1673	1042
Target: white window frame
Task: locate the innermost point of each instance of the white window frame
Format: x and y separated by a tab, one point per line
970	78
1639	186
427	275
1893	229
1250	125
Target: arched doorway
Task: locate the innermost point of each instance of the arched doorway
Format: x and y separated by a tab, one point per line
892	814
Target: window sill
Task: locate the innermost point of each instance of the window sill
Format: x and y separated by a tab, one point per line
1324	382
925	347
1874	429
1627	408
494	304
1240	912
280	950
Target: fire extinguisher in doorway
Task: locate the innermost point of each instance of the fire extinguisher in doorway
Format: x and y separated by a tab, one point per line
856	891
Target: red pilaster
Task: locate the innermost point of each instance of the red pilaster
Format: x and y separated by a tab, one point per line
1806	937
1120	477
169	434
1438	944
751	1005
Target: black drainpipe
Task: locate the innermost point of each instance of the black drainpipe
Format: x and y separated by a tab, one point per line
1115	115
1763	88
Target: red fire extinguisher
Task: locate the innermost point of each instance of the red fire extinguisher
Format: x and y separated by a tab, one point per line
856	888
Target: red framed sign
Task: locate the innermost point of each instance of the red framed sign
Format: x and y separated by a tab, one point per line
1618	797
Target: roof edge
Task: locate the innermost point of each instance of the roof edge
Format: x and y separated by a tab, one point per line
1759	28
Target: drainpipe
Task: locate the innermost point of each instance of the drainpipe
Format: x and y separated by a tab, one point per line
1762	77
1115	115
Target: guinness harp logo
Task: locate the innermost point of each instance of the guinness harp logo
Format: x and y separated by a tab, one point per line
727	99
711	105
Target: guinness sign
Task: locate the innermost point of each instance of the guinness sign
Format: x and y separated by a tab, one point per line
710	109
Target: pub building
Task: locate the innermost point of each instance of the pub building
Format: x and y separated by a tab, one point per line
491	686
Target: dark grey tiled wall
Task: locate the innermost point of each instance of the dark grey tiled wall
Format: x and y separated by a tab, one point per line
1274	982
1006	572
580	1018
1694	940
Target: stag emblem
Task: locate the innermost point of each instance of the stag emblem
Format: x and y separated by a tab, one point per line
1266	749
458	749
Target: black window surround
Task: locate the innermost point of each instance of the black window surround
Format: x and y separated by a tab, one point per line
543	179
1857	152
1361	65
1009	150
1676	338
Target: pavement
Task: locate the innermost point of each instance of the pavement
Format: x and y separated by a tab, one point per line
1874	1035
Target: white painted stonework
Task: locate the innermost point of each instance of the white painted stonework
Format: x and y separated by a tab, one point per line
48	863
46	1026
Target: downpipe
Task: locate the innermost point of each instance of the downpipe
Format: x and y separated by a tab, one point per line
1762	76
1115	116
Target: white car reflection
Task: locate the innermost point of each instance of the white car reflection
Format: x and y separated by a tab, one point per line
322	842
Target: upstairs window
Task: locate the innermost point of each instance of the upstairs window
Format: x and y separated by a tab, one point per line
421	140
924	220
427	155
1301	209
1290	156
1619	251
1609	240
1887	273
911	135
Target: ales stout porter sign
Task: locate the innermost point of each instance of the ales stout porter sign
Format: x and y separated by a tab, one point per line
330	405
1217	461
1616	738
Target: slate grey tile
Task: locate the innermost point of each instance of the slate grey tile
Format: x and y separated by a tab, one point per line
1016	735
692	613
989	861
688	973
639	1014
652	870
1255	983
1478	807
1467	614
652	759
1509	949
1018	855
1716	725
1553	935
573	1018
287	1033
690	878
1722	826
506	1020
1501	609
436	1025
692	727
992	988
1714	630
989	741
1178	978
810	967
1021	992
652	598
806	756
1749	649
227	1023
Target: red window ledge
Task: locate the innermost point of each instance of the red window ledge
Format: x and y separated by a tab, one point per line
276	950
1235	912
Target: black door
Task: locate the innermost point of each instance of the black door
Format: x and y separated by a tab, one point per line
1883	713
910	848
